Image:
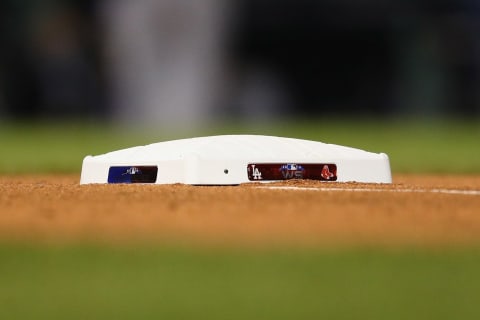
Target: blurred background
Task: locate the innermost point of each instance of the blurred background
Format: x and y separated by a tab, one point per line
182	63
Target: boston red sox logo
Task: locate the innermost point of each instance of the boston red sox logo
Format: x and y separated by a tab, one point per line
326	174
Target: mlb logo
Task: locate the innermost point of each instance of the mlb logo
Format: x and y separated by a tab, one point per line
291	167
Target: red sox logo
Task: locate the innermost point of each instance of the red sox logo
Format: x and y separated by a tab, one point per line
326	174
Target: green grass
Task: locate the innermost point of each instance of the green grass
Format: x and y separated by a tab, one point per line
81	282
413	146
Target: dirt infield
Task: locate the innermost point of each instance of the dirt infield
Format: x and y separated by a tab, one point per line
415	210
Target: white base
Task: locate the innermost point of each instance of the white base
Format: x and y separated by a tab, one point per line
223	160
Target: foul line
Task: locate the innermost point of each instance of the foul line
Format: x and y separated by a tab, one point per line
441	191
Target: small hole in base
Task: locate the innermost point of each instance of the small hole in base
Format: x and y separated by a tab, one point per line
225	171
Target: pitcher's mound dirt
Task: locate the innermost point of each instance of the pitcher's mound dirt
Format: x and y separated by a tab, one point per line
56	208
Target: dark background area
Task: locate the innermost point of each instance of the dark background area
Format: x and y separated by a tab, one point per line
373	58
50	61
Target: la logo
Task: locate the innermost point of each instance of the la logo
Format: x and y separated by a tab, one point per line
257	175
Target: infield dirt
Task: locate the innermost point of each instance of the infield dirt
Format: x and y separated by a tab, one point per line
56	208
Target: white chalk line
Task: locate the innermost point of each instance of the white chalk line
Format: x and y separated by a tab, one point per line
440	191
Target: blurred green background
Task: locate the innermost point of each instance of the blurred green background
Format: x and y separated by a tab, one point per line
97	282
414	146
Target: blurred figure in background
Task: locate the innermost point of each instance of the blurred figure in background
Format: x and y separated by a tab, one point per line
165	59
